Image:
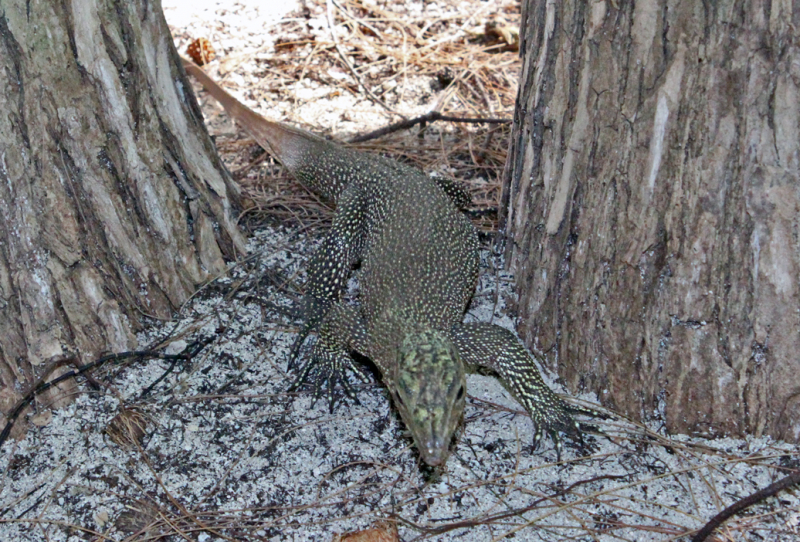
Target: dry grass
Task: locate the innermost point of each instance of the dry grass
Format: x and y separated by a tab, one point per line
464	70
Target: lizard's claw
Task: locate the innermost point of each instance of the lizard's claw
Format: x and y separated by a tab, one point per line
313	310
557	419
325	371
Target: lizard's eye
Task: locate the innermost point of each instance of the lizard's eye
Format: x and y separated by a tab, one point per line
460	393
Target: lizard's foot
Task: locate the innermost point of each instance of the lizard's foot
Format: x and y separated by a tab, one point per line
326	369
555	418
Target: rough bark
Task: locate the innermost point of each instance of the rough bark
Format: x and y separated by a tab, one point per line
652	206
113	203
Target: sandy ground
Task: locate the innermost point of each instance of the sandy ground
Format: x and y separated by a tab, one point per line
225	453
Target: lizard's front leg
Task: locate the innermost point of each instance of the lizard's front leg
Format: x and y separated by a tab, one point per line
330	267
496	348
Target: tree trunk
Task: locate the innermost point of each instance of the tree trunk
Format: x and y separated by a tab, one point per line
113	203
652	206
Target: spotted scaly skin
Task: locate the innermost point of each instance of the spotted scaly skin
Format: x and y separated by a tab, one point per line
419	268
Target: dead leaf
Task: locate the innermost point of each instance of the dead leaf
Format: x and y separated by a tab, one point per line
381	531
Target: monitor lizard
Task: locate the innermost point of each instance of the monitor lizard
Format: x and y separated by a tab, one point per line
419	268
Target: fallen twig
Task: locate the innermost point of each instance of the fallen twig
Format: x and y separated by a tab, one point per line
422	119
188	353
745	503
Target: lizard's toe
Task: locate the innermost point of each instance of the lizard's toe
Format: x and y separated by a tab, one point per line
326	372
557	420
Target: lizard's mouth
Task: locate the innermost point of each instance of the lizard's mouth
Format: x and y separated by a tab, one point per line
432	435
434	453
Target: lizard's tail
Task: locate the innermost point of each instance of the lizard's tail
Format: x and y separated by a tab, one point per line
287	143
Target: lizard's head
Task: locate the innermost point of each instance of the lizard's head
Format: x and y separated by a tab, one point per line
429	390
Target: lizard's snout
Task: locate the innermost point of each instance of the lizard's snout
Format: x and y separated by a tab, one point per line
435	453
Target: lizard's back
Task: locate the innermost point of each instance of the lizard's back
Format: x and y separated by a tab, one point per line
420	265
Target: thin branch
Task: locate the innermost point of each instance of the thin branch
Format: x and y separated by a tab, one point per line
427	117
516	512
745	503
41	386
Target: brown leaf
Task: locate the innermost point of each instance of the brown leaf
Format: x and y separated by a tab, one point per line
381	531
